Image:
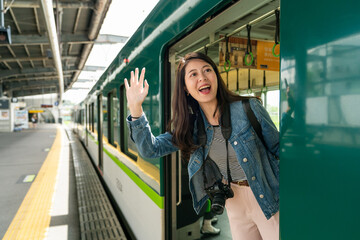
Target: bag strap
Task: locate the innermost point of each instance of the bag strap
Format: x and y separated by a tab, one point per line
253	120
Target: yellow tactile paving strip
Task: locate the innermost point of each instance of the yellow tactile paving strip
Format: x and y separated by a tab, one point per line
33	217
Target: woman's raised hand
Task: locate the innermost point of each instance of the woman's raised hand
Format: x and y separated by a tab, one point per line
136	92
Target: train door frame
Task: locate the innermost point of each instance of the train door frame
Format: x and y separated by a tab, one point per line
100	132
169	161
176	174
181	46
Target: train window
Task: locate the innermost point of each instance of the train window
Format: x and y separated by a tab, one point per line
96	117
82	116
92	117
87	117
112	118
272	102
116	120
129	147
105	117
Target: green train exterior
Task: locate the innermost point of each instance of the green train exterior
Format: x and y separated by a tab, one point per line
320	147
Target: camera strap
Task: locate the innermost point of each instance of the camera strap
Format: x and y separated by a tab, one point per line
225	123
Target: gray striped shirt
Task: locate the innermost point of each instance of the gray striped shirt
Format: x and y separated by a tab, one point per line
217	153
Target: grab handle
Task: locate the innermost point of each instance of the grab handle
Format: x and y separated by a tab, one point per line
179	180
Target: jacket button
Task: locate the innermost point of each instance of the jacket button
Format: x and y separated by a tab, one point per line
261	196
244	159
253	178
235	143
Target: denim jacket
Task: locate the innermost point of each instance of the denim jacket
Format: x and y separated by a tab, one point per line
260	164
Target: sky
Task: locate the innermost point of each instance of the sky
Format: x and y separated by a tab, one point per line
123	19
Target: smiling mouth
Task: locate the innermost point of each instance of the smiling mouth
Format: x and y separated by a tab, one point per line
205	89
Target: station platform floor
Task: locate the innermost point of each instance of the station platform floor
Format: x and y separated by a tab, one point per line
49	189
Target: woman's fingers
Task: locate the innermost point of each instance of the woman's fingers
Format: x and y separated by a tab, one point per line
134	79
126	84
146	88
136	75
142	75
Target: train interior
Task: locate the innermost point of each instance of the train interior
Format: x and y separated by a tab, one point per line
256	75
247	58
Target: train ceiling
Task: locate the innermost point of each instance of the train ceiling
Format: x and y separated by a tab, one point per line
237	16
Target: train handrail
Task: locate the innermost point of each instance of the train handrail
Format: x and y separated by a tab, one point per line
179	180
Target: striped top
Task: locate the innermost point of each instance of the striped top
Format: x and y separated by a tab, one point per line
217	153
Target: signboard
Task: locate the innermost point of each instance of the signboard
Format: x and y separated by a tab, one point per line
46	105
265	58
21	119
4	114
237	48
262	52
36	111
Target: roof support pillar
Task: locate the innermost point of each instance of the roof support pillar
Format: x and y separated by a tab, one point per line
2	18
47	7
1	89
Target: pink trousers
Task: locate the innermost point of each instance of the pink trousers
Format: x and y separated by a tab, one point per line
247	221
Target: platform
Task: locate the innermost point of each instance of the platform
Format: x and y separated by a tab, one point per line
44	196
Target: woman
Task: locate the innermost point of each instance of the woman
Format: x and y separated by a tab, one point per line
200	91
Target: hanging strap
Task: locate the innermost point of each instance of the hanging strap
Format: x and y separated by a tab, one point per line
277	30
253	120
227	56
248	47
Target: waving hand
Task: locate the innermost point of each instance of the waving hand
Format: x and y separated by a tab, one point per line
136	92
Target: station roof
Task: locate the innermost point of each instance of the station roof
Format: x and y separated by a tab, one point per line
35	63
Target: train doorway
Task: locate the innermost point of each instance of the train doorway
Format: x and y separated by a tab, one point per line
249	63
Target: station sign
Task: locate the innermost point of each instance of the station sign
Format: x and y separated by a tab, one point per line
262	54
46	105
36	111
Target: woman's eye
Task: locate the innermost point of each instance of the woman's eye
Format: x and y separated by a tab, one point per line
208	70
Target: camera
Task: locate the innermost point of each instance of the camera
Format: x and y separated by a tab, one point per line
218	193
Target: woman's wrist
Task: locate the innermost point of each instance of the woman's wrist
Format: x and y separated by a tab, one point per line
136	111
135	117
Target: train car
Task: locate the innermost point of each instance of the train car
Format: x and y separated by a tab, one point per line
314	81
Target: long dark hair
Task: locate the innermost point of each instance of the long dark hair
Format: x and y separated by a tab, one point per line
185	106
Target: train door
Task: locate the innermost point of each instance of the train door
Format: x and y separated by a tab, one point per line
320	143
225	39
100	131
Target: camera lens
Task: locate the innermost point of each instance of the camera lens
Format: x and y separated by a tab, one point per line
218	203
217	209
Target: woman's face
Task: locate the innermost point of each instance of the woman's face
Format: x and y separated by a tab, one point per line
201	82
